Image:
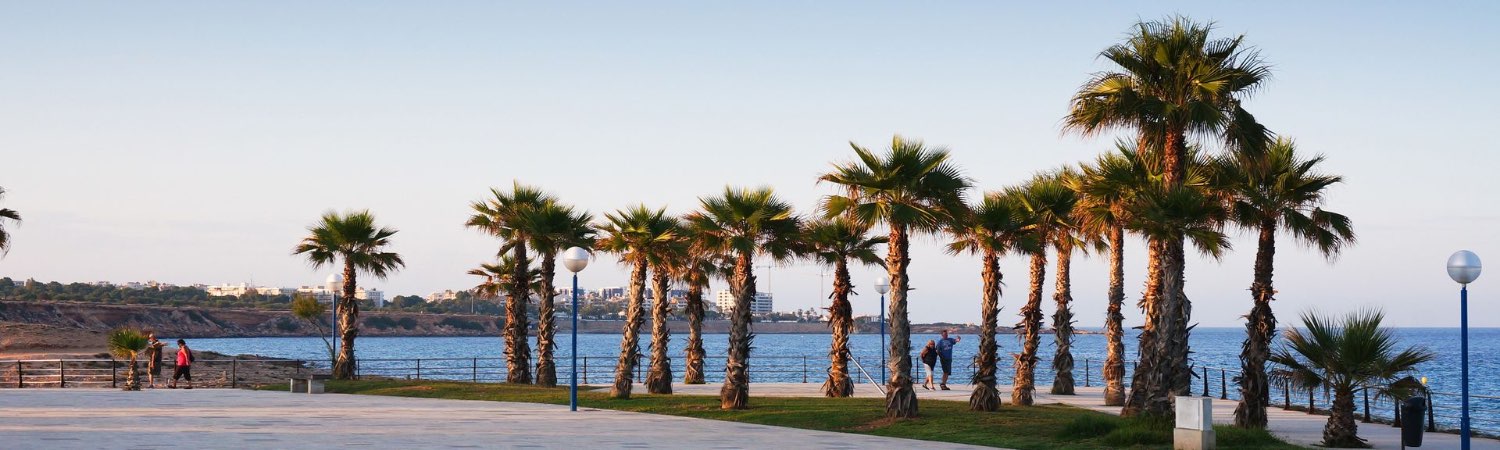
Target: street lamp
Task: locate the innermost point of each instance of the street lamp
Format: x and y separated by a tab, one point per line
332	284
1463	267
882	285
575	259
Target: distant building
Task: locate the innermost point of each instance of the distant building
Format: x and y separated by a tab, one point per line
612	292
761	305
326	296
447	294
226	290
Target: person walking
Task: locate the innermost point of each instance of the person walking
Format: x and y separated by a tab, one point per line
945	353
929	359
184	365
153	358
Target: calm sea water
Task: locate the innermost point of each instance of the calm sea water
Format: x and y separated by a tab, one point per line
795	357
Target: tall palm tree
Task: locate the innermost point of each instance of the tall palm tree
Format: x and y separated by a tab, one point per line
1173	80
1163	214
1347	357
694	266
743	224
6	214
837	242
635	234
992	228
661	259
1270	192
552	228
911	188
362	245
128	343
1106	188
506	216
1044	202
1067	237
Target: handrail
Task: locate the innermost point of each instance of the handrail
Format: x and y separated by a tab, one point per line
867	375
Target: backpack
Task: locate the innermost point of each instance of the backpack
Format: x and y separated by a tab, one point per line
191	357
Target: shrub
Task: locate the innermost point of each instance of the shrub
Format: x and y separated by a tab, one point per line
380	322
461	324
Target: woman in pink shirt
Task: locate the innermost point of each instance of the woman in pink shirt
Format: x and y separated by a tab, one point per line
184	365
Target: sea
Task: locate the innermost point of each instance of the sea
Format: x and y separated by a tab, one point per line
804	358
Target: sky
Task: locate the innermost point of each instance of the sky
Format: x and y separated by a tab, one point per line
194	142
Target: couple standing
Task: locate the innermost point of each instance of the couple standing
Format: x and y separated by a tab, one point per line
941	349
183	369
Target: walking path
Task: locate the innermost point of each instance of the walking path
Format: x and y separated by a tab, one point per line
1294	427
226	418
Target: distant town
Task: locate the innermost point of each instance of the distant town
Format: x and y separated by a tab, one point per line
603	303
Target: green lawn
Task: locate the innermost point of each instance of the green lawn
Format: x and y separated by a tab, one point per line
1038	427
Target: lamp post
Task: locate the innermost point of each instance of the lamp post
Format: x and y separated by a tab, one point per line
575	259
1463	267
882	286
332	284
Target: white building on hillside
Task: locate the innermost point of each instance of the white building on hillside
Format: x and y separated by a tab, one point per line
225	290
326	296
761	305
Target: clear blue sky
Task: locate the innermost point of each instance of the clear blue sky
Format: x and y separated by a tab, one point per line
193	142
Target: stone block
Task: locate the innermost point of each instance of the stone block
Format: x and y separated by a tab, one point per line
299	385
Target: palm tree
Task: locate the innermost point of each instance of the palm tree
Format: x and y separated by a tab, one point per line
694	266
912	188
497	275
309	309
1276	190
1106	188
1173	80
837	242
1162	214
742	224
1044	203
661	258
992	228
506	215
12	215
552	228
635	234
1346	357
1067	237
128	343
354	238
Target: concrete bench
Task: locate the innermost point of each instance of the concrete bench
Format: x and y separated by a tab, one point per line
312	384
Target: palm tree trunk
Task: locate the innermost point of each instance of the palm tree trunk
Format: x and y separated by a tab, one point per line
841	320
629	351
900	398
736	391
659	379
693	374
517	346
132	378
1164	353
546	328
1342	431
1031	328
985	396
1114	328
1148	381
1260	328
1062	324
344	366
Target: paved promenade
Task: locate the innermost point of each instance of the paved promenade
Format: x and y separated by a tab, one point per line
1295	427
226	418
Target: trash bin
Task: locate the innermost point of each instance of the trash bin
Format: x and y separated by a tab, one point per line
1412	413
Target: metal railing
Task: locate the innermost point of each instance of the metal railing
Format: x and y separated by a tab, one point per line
1209	381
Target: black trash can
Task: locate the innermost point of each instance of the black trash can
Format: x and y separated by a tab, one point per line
1412	413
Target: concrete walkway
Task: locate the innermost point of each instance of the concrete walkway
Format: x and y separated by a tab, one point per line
225	418
1295	427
